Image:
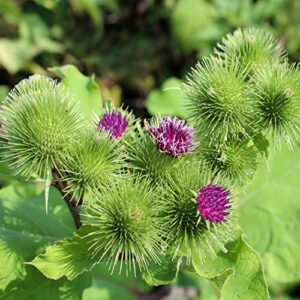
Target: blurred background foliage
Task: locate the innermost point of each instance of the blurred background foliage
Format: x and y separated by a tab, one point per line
132	46
139	51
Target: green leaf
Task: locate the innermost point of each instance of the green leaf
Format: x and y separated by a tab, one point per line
37	287
197	285
25	230
107	286
15	54
34	38
35	31
270	215
245	278
69	257
193	24
164	273
168	100
85	90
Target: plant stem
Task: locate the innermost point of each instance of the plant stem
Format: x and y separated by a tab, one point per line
73	206
158	292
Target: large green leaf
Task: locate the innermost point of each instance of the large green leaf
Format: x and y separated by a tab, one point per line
69	257
26	230
270	216
168	100
238	272
37	287
85	90
107	286
165	273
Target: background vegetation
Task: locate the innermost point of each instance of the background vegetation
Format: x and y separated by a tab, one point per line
139	51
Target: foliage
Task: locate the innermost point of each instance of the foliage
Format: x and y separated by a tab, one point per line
128	38
138	202
166	101
271	200
25	231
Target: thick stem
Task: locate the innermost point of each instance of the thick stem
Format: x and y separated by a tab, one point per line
157	293
73	206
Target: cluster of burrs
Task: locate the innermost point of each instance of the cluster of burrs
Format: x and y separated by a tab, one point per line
163	187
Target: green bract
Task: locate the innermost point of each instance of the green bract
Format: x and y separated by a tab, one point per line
218	103
236	160
125	225
38	124
91	162
247	48
275	88
145	159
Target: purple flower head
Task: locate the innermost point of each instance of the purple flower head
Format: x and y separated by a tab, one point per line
172	137
212	202
114	123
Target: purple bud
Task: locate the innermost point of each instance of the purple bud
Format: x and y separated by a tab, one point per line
114	123
172	137
212	202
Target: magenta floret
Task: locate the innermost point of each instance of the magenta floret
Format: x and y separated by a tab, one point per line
213	203
173	137
113	123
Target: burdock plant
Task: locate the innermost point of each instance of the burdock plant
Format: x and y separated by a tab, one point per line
162	192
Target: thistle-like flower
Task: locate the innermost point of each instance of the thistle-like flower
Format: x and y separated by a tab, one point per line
213	203
218	104
39	121
250	47
275	88
172	137
114	123
126	226
188	230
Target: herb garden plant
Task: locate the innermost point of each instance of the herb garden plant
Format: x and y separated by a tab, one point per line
153	198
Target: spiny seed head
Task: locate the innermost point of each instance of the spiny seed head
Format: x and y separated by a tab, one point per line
39	120
250	47
275	88
172	137
213	203
126	225
90	163
217	102
114	123
235	160
143	158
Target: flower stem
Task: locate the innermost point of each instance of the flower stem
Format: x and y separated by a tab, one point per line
73	206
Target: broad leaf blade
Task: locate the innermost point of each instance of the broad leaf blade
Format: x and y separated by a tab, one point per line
167	101
85	90
272	200
164	273
245	278
25	230
37	287
69	257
